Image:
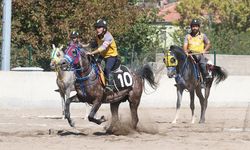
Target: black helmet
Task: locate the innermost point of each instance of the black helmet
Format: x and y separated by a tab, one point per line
195	22
74	34
101	23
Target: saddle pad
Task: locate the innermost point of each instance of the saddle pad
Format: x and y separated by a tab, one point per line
101	75
122	78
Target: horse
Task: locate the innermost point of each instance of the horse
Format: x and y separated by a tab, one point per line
91	89
186	73
65	79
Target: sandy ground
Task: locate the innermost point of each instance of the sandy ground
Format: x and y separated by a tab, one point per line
40	129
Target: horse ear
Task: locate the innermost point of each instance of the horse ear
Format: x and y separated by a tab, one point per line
61	47
53	46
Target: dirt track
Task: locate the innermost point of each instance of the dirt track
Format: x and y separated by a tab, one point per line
30	129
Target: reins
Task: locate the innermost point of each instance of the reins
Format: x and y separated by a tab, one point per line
80	79
57	69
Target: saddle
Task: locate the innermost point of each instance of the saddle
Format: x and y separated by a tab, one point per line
122	78
209	67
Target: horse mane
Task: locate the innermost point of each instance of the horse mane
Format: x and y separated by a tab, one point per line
177	50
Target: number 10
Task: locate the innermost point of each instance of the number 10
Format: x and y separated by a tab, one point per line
125	78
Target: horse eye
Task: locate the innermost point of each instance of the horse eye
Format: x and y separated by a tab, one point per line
74	53
172	60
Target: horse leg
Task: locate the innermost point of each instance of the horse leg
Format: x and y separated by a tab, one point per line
178	103
67	95
67	109
92	113
203	103
133	104
87	111
63	103
208	87
192	107
115	119
204	100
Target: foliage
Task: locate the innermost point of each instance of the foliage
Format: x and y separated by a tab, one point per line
140	42
37	24
242	46
232	13
223	21
179	36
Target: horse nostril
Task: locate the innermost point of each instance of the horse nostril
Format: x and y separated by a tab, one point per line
52	66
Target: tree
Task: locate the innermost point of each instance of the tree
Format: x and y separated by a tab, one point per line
140	43
221	20
39	24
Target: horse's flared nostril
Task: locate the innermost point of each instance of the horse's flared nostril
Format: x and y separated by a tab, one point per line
63	64
52	66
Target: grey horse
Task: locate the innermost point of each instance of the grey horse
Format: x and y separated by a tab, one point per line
65	79
186	74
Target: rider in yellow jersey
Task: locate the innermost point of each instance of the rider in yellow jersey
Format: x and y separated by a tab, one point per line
105	45
198	44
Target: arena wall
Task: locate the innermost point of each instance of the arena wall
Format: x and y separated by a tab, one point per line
36	89
234	64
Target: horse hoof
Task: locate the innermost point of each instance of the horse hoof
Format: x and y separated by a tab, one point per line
109	131
193	121
202	121
102	119
71	123
173	122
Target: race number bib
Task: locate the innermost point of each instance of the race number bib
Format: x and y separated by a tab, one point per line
122	78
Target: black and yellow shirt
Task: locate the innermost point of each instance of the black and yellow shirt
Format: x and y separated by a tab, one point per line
196	44
107	46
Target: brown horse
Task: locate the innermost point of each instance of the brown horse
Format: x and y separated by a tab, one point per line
91	90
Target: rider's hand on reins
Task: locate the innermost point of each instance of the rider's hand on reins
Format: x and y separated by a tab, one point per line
206	52
188	52
88	53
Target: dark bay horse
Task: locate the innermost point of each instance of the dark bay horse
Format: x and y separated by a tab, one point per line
186	74
65	79
91	90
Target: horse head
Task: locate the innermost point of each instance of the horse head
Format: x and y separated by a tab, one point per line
56	55
74	58
173	59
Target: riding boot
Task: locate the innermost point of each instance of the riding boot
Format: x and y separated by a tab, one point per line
204	75
109	84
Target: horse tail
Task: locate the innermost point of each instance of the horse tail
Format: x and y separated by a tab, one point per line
146	73
219	74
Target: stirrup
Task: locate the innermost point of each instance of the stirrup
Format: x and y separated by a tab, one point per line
203	85
209	76
108	88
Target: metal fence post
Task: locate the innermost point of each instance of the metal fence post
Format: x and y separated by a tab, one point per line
214	56
6	35
30	49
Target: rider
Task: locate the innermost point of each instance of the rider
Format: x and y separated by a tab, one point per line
197	43
74	39
105	45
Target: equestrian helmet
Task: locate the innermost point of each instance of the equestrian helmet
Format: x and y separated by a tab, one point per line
195	22
100	23
74	34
